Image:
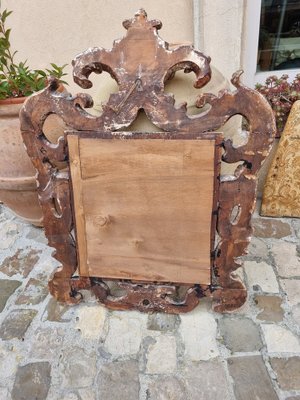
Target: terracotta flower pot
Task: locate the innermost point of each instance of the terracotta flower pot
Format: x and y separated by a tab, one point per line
17	175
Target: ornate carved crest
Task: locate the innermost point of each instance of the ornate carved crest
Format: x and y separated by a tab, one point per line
141	63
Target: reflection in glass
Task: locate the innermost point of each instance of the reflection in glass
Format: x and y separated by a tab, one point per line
279	36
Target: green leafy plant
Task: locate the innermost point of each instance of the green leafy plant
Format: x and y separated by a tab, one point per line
17	79
281	95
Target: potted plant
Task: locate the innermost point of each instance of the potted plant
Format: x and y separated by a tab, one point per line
281	95
17	80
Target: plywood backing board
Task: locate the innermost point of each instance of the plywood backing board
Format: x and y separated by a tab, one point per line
144	208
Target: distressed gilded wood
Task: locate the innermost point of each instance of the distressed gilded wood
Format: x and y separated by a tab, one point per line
281	196
141	63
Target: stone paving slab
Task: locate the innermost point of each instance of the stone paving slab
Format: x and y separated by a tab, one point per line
7	288
16	324
291	365
119	380
207	380
240	335
251	379
32	381
51	351
166	387
271	307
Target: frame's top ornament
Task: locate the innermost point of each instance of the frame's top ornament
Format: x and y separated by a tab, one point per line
141	62
141	55
140	20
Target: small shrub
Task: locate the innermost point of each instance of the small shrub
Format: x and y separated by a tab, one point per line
281	95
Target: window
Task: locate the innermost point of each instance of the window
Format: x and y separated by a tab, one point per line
279	35
272	39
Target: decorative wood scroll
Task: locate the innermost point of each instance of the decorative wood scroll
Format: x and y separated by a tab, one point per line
141	63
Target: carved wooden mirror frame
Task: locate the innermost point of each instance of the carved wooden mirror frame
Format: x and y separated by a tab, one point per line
141	63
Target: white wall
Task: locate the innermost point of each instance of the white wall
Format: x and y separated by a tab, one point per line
221	33
45	31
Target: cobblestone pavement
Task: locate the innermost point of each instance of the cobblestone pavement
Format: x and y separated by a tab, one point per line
55	352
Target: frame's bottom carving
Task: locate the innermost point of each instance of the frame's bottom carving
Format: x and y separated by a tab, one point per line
227	299
62	290
148	297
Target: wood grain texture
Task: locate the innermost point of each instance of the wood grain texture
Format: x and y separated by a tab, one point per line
141	63
77	192
145	208
281	196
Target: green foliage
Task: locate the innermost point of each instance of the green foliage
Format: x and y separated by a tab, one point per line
17	79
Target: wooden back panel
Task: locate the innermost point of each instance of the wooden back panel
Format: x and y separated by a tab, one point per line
143	208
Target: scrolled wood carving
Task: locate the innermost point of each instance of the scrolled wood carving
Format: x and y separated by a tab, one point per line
141	63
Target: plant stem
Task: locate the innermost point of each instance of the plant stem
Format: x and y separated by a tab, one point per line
10	56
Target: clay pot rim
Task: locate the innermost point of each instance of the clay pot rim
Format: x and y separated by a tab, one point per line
12	100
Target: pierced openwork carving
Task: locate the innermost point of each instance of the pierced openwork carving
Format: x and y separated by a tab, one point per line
140	63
